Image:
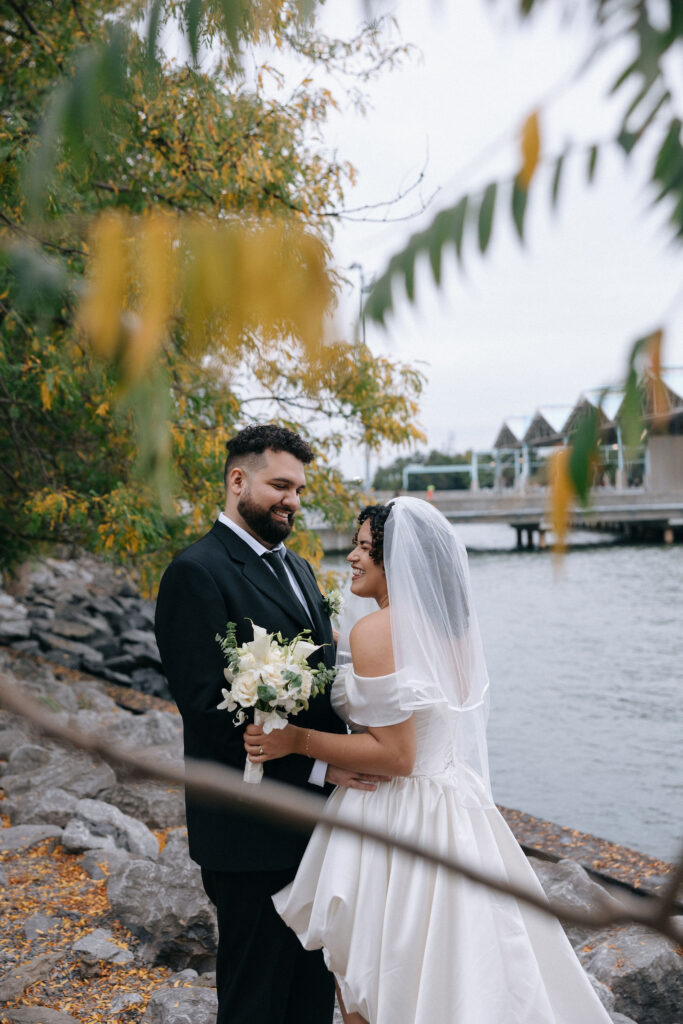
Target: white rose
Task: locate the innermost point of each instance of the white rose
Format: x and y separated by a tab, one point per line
245	688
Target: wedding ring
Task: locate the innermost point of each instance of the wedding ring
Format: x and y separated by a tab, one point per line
260	750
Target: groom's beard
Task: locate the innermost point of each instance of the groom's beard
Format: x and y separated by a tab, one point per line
262	521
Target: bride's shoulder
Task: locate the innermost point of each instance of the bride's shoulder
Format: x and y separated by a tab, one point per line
371	647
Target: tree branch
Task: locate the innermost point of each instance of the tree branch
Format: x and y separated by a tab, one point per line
216	784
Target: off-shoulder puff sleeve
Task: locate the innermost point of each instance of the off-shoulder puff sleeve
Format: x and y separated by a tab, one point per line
373	701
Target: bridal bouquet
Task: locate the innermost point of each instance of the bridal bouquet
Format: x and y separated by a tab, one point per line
273	677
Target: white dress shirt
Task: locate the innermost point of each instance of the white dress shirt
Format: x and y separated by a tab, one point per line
319	769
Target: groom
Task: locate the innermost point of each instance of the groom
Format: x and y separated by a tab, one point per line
240	572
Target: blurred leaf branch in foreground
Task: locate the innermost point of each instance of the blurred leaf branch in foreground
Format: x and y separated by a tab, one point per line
275	801
651	113
165	271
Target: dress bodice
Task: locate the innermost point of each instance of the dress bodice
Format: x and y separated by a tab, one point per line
363	702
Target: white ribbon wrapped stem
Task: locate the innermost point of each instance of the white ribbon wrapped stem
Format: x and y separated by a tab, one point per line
269	720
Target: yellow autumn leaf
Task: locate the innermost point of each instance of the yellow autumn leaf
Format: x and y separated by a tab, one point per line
45	396
660	404
157	270
561	494
100	314
102	409
530	149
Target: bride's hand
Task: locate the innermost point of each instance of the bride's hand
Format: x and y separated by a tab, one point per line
267	746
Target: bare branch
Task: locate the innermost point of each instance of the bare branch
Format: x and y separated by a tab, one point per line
216	784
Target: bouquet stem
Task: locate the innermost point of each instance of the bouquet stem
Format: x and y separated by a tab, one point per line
254	772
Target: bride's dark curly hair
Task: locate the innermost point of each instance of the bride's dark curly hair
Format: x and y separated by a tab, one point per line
377	516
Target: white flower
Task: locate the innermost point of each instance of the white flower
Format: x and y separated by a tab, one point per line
260	645
245	687
302	649
227	704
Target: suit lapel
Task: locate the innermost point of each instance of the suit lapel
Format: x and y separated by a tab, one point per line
261	576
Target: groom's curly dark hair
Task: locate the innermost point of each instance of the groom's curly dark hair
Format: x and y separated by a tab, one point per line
377	515
255	440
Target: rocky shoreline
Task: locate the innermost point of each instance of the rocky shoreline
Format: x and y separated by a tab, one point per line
102	901
85	614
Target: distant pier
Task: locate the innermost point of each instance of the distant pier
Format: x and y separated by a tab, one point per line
636	515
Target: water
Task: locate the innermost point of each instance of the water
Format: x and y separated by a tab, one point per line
586	667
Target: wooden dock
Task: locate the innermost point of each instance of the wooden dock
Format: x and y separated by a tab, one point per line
633	513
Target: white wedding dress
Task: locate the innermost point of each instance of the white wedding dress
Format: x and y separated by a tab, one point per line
409	942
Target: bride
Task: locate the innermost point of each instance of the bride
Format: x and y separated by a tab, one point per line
409	942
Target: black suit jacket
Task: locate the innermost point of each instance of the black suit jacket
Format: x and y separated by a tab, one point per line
217	580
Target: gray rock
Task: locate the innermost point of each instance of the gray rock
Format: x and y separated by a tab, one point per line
92	697
97	945
139	732
643	970
14	629
77	773
38	925
101	863
67	652
168	910
27	646
157	804
14	983
604	994
99	825
36	1015
567	882
125	1001
72	629
3	878
28	757
176	853
41	807
22	837
12	734
182	1006
188	976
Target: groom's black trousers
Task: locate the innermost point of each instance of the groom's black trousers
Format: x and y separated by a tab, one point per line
264	974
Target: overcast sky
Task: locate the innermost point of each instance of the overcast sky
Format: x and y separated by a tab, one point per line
522	327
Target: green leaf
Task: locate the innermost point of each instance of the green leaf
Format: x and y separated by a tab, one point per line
380	299
458	216
486	216
667	156
193	17
557	178
266	692
447	226
584	449
152	36
627	140
592	163
519	201
626	73
233	13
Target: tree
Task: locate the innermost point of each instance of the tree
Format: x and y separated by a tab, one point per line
165	274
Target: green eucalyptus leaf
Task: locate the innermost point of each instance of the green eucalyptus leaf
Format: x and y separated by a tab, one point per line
458	217
584	449
485	223
193	17
519	202
557	178
151	61
592	163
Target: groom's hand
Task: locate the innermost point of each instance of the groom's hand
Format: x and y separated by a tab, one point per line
353	780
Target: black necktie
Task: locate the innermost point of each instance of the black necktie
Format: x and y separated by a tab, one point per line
276	563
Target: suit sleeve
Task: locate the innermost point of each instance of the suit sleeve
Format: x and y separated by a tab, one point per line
190	612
